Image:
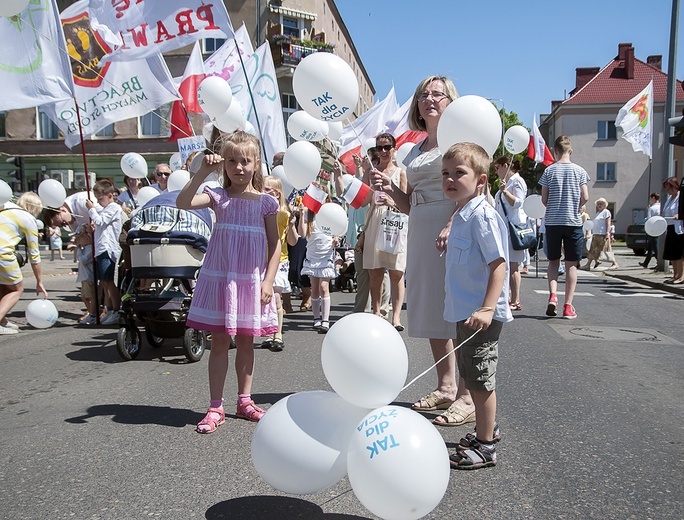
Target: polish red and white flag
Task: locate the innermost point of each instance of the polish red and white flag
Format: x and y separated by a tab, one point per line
355	191
537	148
192	77
314	197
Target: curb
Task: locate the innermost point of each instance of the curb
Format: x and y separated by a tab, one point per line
679	290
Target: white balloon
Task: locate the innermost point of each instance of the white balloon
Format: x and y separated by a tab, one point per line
367	144
249	128
304	127
232	119
12	7
398	464
40	224
402	153
332	220
516	139
655	226
300	445
470	119
279	171
302	162
587	243
42	314
146	194
134	165
534	207
52	193
335	130
364	359
214	96
208	184
5	192
326	86
588	226
175	162
177	180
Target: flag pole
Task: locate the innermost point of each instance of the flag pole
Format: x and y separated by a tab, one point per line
251	97
87	180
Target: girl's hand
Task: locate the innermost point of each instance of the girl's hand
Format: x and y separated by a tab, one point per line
337	169
357	160
266	293
210	164
367	164
479	320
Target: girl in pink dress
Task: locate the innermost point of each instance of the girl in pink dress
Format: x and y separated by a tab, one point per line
234	291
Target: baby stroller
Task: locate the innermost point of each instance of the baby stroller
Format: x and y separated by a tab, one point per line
346	276
167	246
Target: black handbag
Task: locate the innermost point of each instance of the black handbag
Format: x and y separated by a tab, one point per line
522	237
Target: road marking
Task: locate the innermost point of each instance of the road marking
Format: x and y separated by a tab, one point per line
540	291
625	294
618	334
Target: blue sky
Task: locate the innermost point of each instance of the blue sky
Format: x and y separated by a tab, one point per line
523	52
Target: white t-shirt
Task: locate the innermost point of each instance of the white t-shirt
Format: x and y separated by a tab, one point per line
600	222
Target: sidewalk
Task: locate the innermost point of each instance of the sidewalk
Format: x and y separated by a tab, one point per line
631	271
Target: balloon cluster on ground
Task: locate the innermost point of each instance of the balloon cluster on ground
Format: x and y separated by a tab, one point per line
396	460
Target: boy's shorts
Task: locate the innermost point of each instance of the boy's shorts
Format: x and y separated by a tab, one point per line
477	360
88	289
105	267
570	237
281	278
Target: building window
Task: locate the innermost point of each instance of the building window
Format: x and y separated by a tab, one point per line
211	45
46	128
291	27
3	131
290	106
606	130
605	171
156	123
107	131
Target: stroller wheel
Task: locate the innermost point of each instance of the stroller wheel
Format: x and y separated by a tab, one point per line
194	343
154	341
128	342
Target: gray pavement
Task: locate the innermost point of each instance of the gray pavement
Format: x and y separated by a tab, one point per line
590	411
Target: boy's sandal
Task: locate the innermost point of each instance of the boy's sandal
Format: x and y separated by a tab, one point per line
454	416
209	421
475	456
249	411
325	327
468	440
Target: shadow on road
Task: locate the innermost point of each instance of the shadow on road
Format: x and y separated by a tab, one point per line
272	508
140	414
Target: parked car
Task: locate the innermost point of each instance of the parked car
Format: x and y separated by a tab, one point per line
636	237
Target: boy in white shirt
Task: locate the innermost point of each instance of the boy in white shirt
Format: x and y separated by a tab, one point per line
476	293
107	223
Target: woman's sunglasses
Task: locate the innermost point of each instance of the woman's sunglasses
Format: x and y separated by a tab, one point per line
384	148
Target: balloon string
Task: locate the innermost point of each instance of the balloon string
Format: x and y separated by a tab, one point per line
438	362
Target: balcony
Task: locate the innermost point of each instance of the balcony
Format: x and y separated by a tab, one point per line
289	51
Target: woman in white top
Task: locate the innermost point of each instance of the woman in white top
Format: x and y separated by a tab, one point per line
674	239
600	232
512	193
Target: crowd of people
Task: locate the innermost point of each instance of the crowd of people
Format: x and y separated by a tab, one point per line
456	267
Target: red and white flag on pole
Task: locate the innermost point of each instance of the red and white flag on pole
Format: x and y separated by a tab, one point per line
355	191
314	197
192	77
537	148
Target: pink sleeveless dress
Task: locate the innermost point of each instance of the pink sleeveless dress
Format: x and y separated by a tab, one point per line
227	297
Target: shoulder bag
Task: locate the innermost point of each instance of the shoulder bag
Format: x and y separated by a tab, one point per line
522	237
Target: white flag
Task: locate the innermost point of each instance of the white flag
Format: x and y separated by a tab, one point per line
139	29
106	92
264	84
34	64
369	124
225	61
635	119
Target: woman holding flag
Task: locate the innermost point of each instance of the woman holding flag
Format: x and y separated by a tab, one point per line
430	211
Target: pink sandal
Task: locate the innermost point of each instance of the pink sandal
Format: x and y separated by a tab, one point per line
210	421
249	411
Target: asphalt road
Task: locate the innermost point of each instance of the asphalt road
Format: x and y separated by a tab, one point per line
590	411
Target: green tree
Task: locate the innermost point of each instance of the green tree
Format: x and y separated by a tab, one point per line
529	170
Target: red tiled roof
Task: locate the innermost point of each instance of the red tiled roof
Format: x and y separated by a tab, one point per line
611	85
